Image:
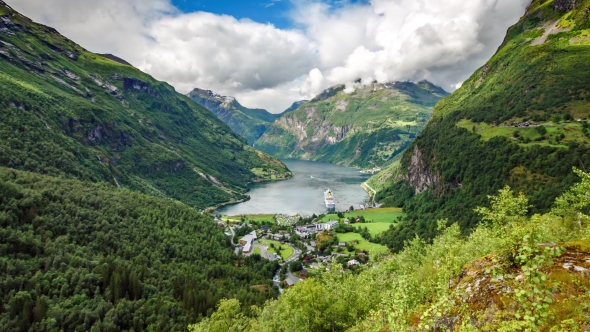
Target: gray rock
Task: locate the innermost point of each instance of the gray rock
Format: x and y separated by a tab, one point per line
565	5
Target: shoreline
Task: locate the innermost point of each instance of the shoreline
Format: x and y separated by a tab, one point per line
220	205
211	209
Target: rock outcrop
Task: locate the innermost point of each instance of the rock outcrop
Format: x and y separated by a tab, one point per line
420	175
565	5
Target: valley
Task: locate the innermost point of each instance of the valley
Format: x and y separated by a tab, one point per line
388	204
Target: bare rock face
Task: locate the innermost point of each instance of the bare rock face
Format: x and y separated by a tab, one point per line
419	175
565	5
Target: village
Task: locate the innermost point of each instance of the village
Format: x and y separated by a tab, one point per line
301	246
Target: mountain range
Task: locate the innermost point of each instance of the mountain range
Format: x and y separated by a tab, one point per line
367	127
72	113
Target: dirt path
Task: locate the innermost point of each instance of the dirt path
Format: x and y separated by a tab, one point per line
366	186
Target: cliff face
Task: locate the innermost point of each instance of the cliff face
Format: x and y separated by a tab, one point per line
307	141
365	128
419	174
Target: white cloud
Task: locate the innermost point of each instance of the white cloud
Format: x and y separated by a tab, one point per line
222	53
440	40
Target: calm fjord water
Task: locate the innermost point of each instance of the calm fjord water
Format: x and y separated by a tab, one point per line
304	193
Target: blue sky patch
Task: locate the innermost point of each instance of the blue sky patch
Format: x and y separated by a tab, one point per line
275	12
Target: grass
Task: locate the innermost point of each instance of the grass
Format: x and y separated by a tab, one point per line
570	130
379	181
382	215
375	228
250	218
266	174
347	237
371	248
285	253
256	250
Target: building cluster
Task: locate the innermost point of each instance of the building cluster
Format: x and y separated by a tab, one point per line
307	230
277	237
247	242
525	124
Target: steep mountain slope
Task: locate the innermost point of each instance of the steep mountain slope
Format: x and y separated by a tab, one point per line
520	120
71	113
365	128
80	256
246	122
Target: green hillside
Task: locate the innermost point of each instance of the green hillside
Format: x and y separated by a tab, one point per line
246	122
521	120
83	256
366	128
71	113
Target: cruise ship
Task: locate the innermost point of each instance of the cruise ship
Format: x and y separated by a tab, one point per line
329	200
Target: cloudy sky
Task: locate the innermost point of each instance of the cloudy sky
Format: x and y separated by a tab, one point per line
270	53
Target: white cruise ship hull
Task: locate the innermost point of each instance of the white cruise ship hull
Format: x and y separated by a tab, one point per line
329	200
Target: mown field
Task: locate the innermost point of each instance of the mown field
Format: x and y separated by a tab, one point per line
553	134
382	215
375	228
250	218
285	253
371	248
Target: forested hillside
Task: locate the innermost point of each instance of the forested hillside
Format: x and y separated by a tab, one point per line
246	122
520	120
512	273
365	128
71	113
82	256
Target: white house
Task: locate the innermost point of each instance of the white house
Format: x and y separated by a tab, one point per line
306	230
327	225
247	248
248	238
247	242
353	262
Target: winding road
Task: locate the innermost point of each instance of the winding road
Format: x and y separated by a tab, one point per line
365	184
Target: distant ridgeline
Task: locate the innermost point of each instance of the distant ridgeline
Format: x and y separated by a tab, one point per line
521	120
246	122
365	128
71	113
